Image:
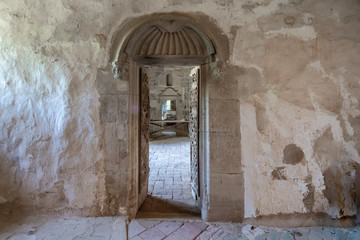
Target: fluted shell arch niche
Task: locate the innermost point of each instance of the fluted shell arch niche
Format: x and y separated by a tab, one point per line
169	40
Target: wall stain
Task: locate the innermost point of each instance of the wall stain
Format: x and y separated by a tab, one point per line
289	20
309	197
262	118
278	174
334	189
293	154
326	150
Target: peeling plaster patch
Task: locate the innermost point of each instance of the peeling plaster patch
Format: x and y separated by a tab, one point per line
316	65
304	33
355	123
293	154
309	197
262	119
278	173
289	20
304	126
308	18
334	190
335	15
252	82
269	7
250	6
326	150
340	82
2	200
271	98
314	101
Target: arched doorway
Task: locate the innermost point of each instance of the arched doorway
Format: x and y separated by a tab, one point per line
169	168
164	41
161	39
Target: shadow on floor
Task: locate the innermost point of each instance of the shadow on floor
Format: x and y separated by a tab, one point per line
165	135
161	205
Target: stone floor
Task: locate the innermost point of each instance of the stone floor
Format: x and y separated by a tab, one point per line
169	178
35	227
141	229
169	162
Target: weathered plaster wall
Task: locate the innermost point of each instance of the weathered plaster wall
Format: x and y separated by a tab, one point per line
290	89
51	146
307	96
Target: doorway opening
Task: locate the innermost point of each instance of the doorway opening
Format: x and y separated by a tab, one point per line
169	117
161	39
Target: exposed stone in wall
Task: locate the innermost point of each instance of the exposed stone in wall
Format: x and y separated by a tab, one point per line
112	195
290	76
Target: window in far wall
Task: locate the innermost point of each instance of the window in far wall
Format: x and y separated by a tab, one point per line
168	105
168	80
169	110
171	105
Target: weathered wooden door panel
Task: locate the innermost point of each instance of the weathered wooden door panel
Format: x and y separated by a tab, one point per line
144	135
194	133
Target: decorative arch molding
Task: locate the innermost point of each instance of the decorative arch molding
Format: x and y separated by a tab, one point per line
168	38
170	35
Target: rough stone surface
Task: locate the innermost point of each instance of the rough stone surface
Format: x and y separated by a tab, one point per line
288	73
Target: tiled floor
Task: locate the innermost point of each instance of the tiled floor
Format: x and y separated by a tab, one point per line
169	161
169	179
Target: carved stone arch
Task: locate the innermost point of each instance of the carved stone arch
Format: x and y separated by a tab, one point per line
138	37
168	38
190	39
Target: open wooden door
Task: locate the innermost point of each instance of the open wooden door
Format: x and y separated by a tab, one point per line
194	133
144	135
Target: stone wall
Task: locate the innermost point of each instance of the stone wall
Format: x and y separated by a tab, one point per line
180	83
285	108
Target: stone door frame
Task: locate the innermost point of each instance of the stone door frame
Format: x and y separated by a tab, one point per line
125	68
135	130
193	131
